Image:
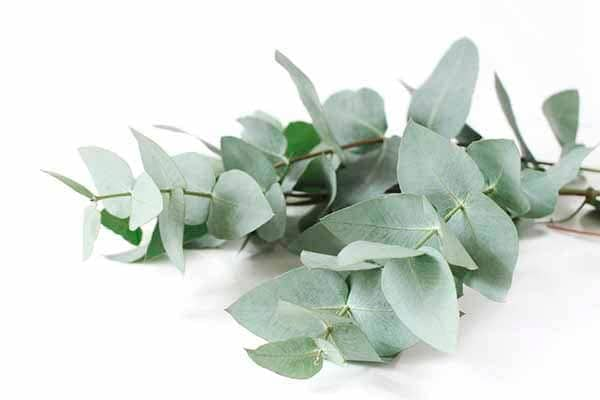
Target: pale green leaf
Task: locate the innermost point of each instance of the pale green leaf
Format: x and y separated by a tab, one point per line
318	239
353	343
330	350
79	188
500	162
443	102
324	261
510	117
171	225
111	175
268	118
421	291
208	145
310	99
263	134
298	358
238	154
326	175
199	175
374	315
238	206
361	251
146	201
275	228
91	228
562	112
158	164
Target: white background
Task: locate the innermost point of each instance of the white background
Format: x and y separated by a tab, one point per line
76	73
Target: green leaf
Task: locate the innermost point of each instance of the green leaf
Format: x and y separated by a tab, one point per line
397	219
79	188
120	226
199	175
510	116
325	171
146	202
158	164
431	165
361	251
111	174
443	102
214	149
542	187
263	134
268	118
293	174
301	138
562	112
374	315
317	239
500	162
275	228
330	350
171	224
369	176
421	292
355	115
312	289
324	261
311	102
353	343
238	206
298	358
91	228
238	154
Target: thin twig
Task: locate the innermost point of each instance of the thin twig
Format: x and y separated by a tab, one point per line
571	230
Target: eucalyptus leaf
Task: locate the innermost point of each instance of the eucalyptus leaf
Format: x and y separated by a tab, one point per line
238	206
317	239
111	174
263	134
500	163
91	228
562	112
326	173
171	225
310	99
331	352
208	145
146	201
510	117
356	115
238	154
268	118
301	138
443	102
120	226
275	228
421	292
158	164
361	251
78	187
199	175
298	358
324	261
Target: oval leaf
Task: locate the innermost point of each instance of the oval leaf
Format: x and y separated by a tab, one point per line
146	201
171	225
275	228
91	228
298	358
199	175
562	112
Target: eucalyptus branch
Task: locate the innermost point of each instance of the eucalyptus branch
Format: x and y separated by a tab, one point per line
128	194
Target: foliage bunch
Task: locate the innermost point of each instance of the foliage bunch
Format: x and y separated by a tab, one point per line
397	227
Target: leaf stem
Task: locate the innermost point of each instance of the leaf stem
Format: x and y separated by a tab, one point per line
126	194
562	228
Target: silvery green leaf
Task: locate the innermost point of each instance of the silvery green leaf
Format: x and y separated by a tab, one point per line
120	226
311	102
355	115
171	225
78	187
206	241
208	145
562	112
490	237
331	352
421	292
443	102
275	228
318	239
298	358
158	164
111	174
313	289
293	175
467	136
397	219
353	343
361	251
146	201
91	228
542	187
369	176
238	154
238	206
301	138
374	315
430	165
268	118
324	261
326	173
263	134
199	175
500	162
510	116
